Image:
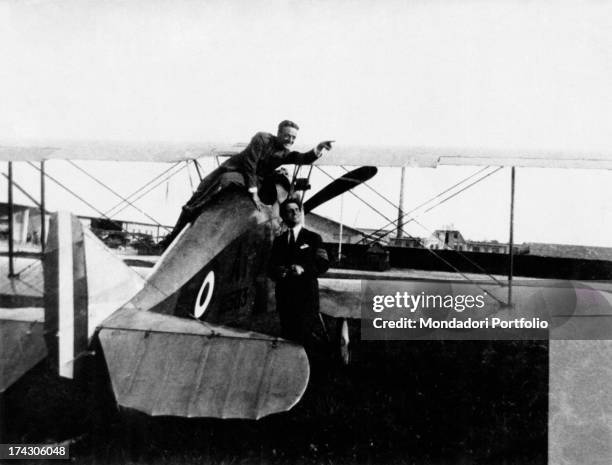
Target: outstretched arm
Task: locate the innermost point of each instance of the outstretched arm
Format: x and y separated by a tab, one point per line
297	158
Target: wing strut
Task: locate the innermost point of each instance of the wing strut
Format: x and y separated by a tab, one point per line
43	211
197	167
400	208
11	204
300	184
511	239
10	221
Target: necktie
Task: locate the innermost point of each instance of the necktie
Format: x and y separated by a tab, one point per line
291	239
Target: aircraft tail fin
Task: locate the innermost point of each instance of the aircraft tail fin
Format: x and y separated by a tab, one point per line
84	284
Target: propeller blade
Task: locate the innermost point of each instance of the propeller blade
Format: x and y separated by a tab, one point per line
340	186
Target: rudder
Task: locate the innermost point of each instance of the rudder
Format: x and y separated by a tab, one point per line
84	284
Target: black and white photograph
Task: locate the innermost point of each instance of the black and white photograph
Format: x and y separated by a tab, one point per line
306	232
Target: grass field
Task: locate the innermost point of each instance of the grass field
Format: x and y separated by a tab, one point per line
461	402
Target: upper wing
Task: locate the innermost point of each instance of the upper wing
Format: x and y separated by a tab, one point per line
112	151
349	155
432	157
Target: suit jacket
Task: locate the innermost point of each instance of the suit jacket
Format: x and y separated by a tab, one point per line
249	167
297	297
262	156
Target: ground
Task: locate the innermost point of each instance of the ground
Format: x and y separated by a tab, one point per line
398	402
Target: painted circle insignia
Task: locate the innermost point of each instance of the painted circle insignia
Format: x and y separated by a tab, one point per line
205	294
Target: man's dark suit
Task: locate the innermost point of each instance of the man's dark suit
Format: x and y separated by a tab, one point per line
248	168
245	170
262	156
297	297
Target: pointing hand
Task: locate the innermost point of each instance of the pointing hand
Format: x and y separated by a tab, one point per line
326	144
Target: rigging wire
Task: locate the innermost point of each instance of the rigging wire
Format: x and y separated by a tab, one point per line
76	195
393	222
422	204
463	189
355	195
453	267
25	283
411	219
23	191
153	187
27	267
115	193
460	253
142	187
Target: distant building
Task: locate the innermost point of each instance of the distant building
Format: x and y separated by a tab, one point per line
380	236
452	239
26	224
446	239
487	247
412	242
115	233
155	231
329	230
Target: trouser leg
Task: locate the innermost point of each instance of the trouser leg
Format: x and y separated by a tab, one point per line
210	187
207	187
183	219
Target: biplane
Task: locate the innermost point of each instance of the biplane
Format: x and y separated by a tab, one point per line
191	340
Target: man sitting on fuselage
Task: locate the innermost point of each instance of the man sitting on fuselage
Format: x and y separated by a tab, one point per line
251	169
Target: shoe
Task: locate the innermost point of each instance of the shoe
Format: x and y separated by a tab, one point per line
165	242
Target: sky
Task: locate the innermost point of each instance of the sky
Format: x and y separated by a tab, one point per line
504	74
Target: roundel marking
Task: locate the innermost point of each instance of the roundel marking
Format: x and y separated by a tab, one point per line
205	294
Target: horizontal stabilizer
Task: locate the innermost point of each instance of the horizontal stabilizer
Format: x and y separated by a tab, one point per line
165	365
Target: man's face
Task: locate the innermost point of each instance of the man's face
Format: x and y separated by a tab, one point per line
286	136
293	215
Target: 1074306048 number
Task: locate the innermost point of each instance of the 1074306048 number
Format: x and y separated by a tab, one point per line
33	451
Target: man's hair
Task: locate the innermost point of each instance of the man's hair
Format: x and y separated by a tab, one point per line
286	122
288	201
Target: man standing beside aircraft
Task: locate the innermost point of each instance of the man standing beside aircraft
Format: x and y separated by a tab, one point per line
296	260
249	169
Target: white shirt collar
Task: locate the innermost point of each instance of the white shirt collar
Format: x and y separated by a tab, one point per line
296	231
